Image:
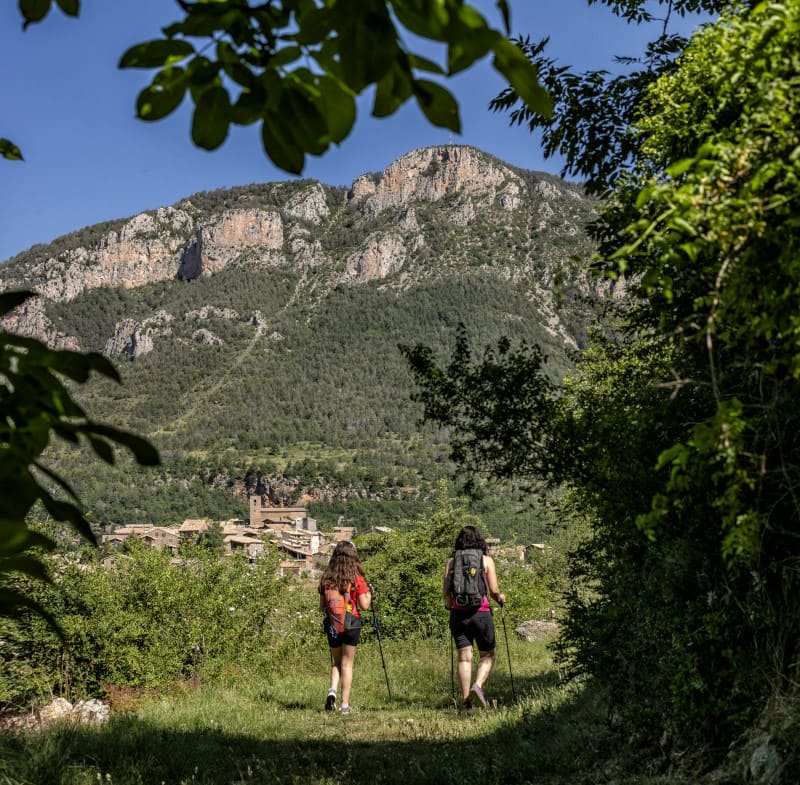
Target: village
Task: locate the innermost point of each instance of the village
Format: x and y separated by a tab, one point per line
303	547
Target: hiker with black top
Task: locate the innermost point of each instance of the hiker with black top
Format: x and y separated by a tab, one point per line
469	579
343	593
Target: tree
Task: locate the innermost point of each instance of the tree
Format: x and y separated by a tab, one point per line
680	432
213	538
593	122
296	66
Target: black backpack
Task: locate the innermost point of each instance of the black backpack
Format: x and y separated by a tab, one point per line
467	582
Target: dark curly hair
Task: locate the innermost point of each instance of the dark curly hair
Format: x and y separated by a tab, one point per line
470	537
342	568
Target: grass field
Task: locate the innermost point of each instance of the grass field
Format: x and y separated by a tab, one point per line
243	729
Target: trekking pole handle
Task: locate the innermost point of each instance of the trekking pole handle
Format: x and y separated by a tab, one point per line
499	598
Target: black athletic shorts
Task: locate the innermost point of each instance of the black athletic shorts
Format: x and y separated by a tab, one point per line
470	627
350	637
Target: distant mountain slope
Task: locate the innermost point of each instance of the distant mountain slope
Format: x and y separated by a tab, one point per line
257	328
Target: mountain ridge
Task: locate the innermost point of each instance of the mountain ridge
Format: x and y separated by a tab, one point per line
256	328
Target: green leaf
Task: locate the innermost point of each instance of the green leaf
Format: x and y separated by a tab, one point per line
10	151
28	565
102	449
308	123
314	26
392	92
472	43
69	7
679	167
202	72
77	365
523	77
427	20
143	451
12	600
154	54
163	96
212	117
367	52
502	5
438	104
57	479
285	56
233	66
280	145
249	106
338	106
423	64
34	10
17	538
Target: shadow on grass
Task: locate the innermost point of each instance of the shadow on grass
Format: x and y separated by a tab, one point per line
532	746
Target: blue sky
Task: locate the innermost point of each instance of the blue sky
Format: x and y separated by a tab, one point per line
88	159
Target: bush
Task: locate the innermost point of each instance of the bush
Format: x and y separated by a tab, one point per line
143	622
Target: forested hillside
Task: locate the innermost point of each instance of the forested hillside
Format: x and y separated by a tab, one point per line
256	330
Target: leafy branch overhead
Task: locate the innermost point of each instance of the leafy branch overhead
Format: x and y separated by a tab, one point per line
297	66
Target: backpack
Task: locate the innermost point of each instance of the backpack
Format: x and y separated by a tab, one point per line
467	581
339	609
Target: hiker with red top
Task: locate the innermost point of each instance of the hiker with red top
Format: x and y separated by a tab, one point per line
343	593
470	578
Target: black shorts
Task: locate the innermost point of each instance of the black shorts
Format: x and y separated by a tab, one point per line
470	627
349	637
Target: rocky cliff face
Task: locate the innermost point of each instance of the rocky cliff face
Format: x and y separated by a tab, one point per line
220	242
431	174
374	234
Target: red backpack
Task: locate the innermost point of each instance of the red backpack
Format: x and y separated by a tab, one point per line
339	609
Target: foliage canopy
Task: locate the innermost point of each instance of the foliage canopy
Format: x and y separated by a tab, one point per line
297	66
680	434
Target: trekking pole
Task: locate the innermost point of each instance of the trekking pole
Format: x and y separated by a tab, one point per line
380	648
508	652
452	671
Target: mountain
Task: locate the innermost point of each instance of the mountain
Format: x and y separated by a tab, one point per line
256	328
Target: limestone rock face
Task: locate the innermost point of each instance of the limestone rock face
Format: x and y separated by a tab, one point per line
387	224
30	321
134	338
377	257
206	337
305	251
210	312
141	252
217	244
309	205
431	174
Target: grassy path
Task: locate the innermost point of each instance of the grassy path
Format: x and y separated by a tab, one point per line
273	730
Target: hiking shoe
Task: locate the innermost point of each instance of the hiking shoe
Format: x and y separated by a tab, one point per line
330	701
478	690
345	709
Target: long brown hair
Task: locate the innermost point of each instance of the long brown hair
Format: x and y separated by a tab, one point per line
470	537
342	568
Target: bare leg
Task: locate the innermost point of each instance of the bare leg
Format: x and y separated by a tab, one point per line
347	658
336	660
485	663
465	670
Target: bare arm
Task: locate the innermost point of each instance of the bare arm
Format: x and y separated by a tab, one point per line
446	583
491	580
364	600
